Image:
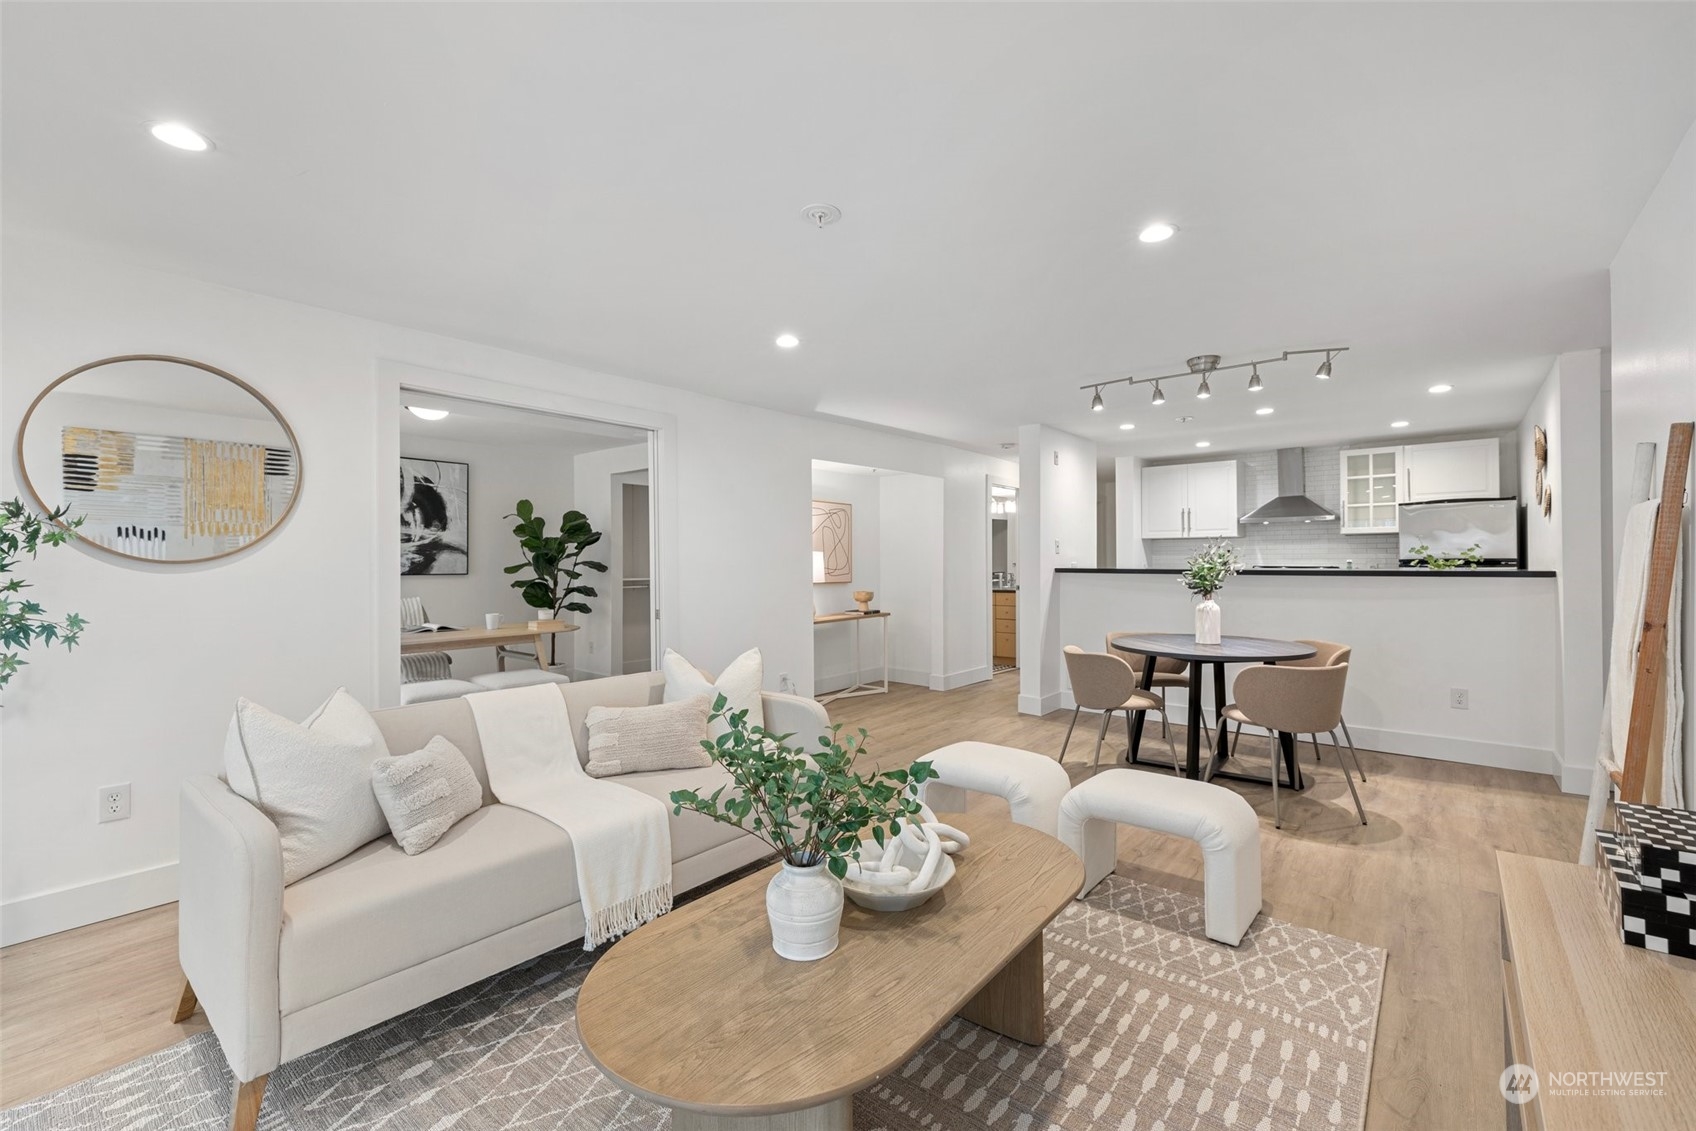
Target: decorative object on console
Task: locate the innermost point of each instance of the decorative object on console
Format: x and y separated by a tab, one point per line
435	517
1544	492
312	779
811	809
555	561
425	793
908	868
23	622
165	458
1645	912
740	683
863	598
833	536
1422	557
1206	573
630	740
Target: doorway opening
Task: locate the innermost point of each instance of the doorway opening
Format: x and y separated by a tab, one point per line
1004	577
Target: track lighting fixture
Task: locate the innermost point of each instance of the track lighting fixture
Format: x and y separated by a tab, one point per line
1324	370
1159	397
1096	404
1202	391
1205	365
1254	385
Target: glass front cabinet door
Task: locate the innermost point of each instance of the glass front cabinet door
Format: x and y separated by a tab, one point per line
1371	485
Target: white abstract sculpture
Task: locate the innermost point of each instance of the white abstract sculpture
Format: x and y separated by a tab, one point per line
909	868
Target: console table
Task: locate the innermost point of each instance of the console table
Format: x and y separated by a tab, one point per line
1577	999
858	686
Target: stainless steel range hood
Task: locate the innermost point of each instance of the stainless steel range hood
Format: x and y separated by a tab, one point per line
1291	503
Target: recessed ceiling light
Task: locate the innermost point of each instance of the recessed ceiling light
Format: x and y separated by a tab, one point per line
180	136
1398	424
1439	388
1126	427
1264	410
427	413
1204	443
1158	232
787	341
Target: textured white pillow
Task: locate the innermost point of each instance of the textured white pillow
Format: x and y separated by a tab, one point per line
739	683
631	740
425	793
312	779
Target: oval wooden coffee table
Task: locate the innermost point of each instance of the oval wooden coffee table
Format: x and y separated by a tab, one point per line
696	1012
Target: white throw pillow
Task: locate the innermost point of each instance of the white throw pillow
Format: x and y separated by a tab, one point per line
739	683
633	740
425	793
312	779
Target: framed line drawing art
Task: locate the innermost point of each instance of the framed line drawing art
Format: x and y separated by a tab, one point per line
833	536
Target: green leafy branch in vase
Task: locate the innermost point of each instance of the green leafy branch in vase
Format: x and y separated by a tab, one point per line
1468	558
811	808
1207	572
23	622
555	561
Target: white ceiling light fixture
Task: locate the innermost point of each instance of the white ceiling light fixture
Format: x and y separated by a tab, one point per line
787	341
1096	404
179	136
1440	389
427	413
1398	424
1126	427
1264	410
1158	232
1324	370
1204	443
1205	365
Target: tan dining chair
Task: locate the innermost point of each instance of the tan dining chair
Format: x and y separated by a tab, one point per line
1104	682
1167	673
1297	701
1326	653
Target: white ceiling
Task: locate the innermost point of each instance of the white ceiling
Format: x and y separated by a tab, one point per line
1439	186
478	422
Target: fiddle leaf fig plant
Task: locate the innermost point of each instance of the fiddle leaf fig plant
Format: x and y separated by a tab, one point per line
23	622
811	808
1207	572
555	562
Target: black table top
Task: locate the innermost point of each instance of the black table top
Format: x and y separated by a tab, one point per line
1229	650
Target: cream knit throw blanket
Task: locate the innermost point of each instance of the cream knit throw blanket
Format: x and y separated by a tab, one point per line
620	837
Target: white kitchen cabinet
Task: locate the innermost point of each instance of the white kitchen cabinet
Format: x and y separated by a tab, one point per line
1456	469
1371	489
1190	500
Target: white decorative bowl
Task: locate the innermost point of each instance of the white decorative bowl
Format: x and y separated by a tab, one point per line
896	899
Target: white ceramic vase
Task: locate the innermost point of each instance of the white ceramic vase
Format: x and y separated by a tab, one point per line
1207	622
805	909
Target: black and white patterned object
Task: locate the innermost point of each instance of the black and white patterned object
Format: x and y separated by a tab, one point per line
1647	918
1660	845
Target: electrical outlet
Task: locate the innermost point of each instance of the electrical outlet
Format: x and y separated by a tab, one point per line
1056	458
114	803
1459	698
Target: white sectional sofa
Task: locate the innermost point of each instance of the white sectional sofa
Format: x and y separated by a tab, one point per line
283	971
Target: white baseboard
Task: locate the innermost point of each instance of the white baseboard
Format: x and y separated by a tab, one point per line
1040	704
51	912
826	682
951	680
1576	779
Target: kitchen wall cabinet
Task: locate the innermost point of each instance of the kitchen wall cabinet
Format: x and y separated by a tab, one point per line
1371	489
1457	469
1190	500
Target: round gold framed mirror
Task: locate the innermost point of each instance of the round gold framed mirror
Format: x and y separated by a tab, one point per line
163	458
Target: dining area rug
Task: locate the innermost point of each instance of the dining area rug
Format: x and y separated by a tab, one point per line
1150	1024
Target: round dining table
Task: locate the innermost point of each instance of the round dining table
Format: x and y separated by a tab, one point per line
1229	650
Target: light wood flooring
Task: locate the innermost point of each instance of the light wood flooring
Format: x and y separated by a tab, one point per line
1419	881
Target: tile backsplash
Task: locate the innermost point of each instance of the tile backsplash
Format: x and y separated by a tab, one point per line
1287	543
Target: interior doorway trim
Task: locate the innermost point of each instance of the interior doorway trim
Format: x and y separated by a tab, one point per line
394	378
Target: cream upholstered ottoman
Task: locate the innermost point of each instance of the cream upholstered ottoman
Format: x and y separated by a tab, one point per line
1223	824
1032	784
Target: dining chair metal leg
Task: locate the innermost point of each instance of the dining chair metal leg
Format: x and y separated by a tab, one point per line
1314	738
1358	808
1100	736
1177	768
1353	753
1272	753
1069	730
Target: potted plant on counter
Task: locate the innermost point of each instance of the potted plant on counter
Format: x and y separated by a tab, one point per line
811	808
1206	574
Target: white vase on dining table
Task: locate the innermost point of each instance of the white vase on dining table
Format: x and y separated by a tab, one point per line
1207	621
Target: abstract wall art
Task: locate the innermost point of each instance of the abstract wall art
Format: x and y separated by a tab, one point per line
833	536
435	517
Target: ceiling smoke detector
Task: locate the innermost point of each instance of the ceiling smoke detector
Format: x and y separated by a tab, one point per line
821	214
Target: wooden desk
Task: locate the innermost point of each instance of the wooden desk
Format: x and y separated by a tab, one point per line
1577	999
857	686
454	639
695	1010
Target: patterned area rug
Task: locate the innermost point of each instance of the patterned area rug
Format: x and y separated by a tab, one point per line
1150	1026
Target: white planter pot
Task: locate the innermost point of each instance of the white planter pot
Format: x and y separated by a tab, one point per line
805	909
1207	622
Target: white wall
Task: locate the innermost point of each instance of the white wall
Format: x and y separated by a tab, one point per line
147	698
1653	291
1414	638
833	643
912	571
1572	542
500	475
1057	528
1131	550
594	473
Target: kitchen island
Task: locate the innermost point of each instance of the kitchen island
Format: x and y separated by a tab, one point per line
1419	638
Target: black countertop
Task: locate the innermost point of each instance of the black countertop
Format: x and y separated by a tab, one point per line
1252	572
